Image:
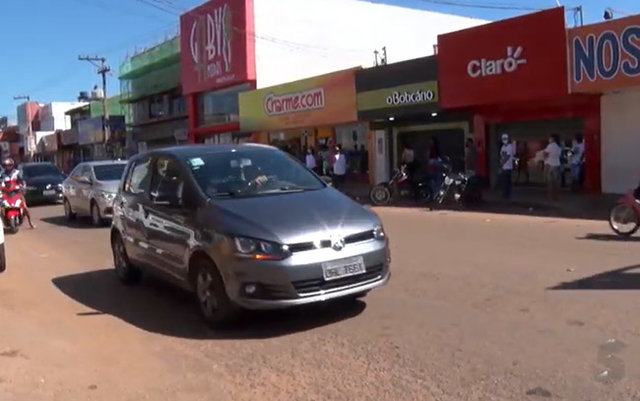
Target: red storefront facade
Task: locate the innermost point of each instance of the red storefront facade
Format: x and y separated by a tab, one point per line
217	56
512	75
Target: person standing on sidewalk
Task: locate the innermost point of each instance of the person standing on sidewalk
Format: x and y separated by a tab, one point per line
310	160
553	166
339	167
576	162
507	154
470	157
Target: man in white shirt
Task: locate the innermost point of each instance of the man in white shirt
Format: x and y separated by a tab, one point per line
507	154
339	167
576	162
553	166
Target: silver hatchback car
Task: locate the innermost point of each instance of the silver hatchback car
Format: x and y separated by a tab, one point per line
244	227
90	189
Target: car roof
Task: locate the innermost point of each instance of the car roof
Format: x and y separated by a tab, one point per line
186	151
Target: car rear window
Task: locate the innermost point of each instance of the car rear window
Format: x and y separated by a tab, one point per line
109	172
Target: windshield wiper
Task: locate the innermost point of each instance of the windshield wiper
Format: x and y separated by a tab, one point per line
223	195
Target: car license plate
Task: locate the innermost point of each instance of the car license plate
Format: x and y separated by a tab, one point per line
343	268
49	192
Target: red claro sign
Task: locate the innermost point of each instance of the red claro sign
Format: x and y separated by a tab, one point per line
505	61
217	47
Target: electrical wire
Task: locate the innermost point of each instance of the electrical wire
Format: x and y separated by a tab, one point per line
491	6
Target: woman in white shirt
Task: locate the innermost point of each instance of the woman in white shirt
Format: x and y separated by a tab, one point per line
576	162
553	166
310	159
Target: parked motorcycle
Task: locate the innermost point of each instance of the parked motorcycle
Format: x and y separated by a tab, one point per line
624	216
12	212
399	186
463	188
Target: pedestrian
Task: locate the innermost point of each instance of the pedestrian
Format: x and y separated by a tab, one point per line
553	166
339	167
470	157
576	162
507	154
310	159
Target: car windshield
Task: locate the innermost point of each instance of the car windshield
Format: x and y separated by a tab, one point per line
251	172
39	170
109	172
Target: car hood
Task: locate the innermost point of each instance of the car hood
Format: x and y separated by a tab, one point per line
107	186
293	217
44	180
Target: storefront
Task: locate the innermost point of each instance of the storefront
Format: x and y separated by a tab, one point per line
68	149
91	139
605	59
216	68
315	113
512	76
401	103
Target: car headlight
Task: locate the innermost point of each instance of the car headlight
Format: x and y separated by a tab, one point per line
259	250
378	233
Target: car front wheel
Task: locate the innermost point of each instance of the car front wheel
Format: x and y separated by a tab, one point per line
214	303
96	218
68	213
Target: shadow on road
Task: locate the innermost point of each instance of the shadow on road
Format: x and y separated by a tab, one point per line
626	278
608	237
78	223
157	307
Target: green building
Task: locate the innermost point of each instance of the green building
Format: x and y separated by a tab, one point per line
114	107
154	108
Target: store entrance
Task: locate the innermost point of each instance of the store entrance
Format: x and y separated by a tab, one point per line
531	138
449	141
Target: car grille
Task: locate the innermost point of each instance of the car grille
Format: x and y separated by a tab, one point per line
306	287
350	239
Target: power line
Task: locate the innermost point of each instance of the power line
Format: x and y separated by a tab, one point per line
157	6
494	6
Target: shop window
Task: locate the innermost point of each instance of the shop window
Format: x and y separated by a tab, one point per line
157	108
178	105
219	107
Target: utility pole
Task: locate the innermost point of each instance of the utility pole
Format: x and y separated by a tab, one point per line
30	140
103	70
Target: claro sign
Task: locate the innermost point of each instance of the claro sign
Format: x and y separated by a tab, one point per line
215	49
505	61
275	105
605	56
509	63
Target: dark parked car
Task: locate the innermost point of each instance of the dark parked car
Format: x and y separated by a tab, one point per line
44	182
244	227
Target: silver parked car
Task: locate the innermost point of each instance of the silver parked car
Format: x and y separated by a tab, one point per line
90	189
244	226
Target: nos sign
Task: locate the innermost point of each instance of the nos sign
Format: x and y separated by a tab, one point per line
606	60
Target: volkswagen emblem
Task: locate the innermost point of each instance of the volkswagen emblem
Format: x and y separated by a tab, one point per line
337	243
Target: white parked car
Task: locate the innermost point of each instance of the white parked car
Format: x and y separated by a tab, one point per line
90	189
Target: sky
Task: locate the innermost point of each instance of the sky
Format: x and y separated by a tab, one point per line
42	39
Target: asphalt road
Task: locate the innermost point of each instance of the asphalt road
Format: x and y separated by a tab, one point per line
480	307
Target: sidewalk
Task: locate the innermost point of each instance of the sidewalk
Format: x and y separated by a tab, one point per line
525	201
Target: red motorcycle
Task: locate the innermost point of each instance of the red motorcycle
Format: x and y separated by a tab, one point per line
624	217
12	203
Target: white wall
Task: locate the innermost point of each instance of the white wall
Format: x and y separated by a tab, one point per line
620	134
52	115
297	39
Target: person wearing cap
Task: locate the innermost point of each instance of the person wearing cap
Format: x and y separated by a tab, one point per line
11	173
507	154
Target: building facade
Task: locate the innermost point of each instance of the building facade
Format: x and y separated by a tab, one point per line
155	109
605	60
513	77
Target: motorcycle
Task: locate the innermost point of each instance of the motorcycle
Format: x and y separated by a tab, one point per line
399	185
626	212
12	212
463	187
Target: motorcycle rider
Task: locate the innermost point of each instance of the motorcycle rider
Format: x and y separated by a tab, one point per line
11	173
